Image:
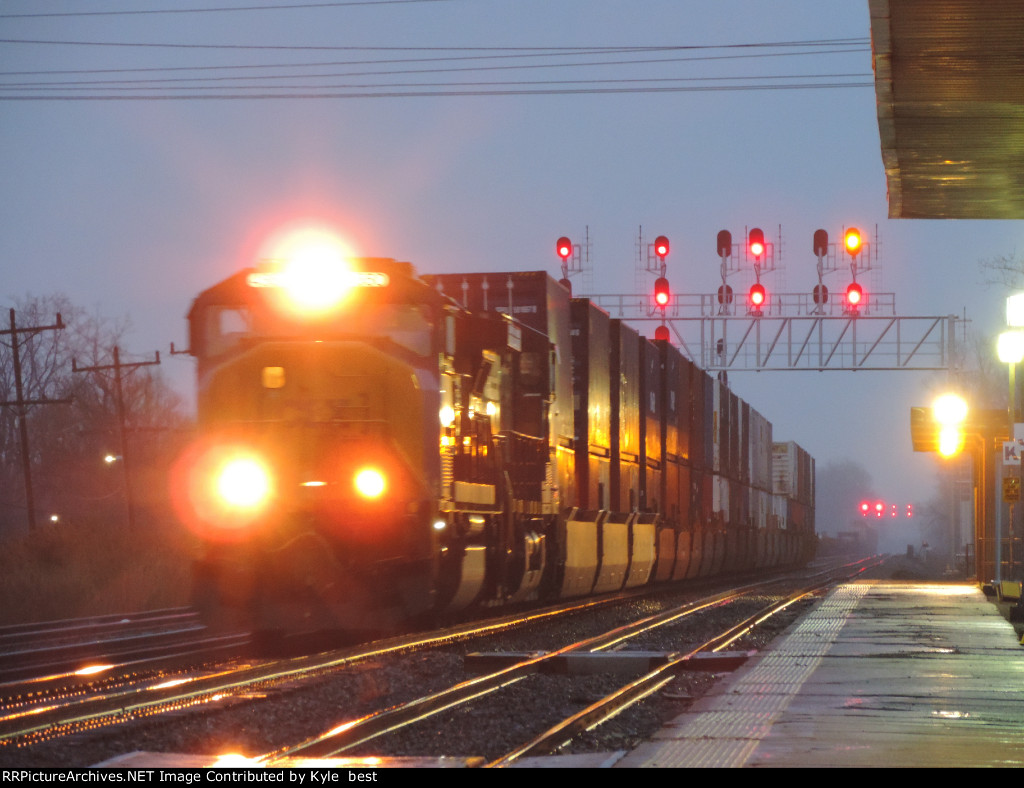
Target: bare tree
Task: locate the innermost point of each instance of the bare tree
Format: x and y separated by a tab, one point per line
69	442
1005	270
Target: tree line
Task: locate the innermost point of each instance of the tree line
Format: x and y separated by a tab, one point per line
82	421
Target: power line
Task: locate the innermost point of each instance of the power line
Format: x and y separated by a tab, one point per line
188	87
221	9
152	84
848	42
647	61
443	93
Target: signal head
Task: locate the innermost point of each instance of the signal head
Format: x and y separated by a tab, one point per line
756	243
852	241
820	243
724	243
564	248
758	295
661	334
661	292
661	246
854	295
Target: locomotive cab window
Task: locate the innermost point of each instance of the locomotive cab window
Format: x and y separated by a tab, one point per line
225	328
408	326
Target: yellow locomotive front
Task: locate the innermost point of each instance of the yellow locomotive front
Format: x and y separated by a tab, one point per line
314	482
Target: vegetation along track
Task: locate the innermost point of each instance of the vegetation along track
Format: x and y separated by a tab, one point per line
265	707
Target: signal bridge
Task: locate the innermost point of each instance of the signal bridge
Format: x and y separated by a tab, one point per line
792	332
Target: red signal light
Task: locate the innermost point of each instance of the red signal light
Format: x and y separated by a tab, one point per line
757	295
661	334
661	292
564	248
756	243
865	507
854	294
661	246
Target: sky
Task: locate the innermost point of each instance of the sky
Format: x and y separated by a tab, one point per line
130	191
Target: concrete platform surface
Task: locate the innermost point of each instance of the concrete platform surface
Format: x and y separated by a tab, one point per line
880	674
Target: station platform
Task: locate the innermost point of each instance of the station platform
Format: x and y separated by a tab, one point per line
881	673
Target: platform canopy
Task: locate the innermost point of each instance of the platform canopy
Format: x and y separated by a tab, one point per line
949	90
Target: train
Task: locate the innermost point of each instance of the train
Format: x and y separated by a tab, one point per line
377	447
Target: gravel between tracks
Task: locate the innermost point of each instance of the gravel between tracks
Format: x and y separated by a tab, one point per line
293	712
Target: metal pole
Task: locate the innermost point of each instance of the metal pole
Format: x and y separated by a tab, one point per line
1009	519
26	460
122	422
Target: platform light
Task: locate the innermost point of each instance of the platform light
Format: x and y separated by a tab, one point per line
1010	347
950	412
949	409
1015	310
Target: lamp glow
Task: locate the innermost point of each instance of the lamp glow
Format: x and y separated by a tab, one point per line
1010	347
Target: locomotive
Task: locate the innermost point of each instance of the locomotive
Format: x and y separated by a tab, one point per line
377	446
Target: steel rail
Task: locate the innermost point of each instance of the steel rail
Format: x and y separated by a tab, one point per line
355	732
614	703
47	718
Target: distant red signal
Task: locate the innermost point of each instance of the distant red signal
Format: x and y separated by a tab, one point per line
564	248
661	292
854	295
661	246
758	295
755	243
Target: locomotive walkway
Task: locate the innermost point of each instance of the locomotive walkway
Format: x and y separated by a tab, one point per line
881	673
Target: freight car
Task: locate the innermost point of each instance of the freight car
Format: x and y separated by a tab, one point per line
376	446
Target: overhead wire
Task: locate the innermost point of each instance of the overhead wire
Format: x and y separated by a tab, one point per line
216	9
177	87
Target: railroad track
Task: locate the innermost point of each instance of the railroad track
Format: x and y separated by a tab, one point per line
73	675
257	682
56	650
350	737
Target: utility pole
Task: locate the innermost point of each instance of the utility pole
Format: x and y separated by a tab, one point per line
117	367
21	404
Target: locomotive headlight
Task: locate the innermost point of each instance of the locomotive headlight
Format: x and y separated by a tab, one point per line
222	490
243	483
370	483
317	282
